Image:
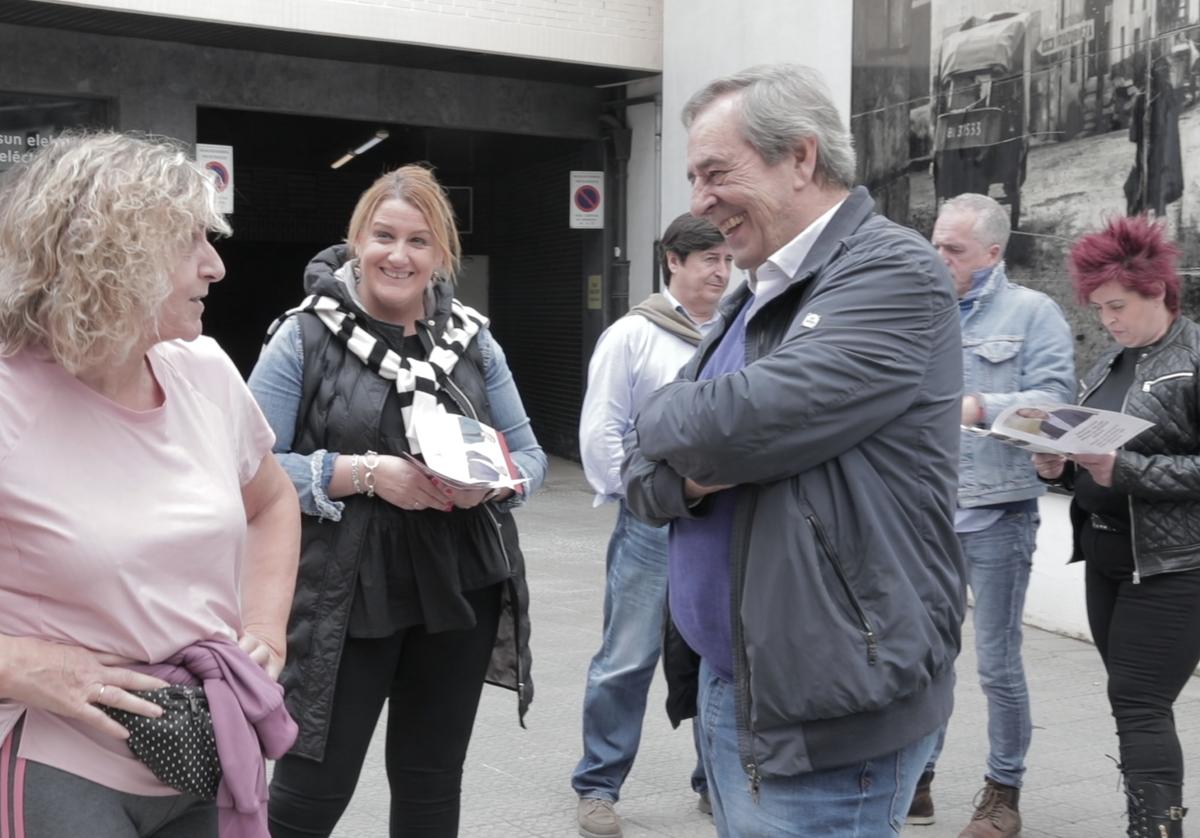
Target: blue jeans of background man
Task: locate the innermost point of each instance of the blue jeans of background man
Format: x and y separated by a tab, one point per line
619	677
865	800
998	561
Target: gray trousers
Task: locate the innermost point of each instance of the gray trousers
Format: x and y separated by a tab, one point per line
57	804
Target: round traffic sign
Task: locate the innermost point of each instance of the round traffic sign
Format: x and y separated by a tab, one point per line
587	198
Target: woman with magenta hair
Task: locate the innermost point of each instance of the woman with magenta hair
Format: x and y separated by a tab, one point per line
1136	510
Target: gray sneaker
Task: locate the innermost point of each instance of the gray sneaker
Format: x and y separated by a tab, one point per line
598	818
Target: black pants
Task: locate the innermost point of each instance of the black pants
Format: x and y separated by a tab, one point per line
1149	638
432	684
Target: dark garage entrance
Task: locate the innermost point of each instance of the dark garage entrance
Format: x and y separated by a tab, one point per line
526	268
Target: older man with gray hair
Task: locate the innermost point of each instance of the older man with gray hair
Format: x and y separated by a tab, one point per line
805	460
1016	349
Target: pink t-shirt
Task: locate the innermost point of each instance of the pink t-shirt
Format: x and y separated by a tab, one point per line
121	530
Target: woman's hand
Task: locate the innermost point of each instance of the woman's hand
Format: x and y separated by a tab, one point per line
70	681
263	653
402	484
1049	466
461	498
1100	466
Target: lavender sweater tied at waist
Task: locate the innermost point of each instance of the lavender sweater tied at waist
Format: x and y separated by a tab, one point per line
250	723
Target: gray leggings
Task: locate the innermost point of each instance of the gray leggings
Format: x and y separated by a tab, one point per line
59	804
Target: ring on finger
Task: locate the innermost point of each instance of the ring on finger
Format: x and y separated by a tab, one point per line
100	694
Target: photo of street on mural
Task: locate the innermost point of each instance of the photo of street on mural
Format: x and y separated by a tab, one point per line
1043	105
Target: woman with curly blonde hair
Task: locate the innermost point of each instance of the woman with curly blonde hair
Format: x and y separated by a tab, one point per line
148	540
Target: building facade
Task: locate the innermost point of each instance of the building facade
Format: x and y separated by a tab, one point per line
504	99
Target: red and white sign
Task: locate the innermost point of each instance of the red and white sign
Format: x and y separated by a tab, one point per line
587	200
216	161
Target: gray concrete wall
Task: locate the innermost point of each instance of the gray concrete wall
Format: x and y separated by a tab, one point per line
602	32
705	39
645	175
157	86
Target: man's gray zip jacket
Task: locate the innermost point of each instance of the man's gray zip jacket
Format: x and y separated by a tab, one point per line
842	431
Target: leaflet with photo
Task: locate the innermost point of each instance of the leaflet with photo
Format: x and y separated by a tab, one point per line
1052	428
465	453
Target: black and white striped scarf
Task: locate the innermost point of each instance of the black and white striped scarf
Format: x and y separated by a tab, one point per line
416	380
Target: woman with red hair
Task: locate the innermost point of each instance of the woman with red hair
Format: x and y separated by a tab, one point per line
1136	510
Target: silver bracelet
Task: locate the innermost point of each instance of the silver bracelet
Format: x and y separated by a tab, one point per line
370	462
358	489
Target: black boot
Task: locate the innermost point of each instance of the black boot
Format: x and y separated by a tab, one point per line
1155	809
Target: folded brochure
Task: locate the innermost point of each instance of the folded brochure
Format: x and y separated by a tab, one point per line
465	453
1051	428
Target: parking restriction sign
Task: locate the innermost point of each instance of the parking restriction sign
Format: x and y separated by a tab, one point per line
587	200
216	161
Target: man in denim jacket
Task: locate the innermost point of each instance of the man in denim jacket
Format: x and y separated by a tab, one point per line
1016	349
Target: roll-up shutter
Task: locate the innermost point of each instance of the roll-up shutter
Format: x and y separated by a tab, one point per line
536	297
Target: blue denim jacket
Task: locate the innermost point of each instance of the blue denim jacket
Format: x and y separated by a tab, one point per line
1017	347
276	383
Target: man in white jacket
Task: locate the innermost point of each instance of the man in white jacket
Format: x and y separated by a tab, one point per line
635	356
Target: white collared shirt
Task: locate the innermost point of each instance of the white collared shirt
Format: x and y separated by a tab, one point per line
632	359
775	274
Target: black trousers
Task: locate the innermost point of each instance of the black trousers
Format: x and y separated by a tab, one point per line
1149	638
431	683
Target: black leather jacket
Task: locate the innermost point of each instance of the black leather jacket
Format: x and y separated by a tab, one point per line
1160	468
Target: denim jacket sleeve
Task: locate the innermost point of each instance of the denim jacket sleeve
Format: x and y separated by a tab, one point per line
509	417
276	382
1047	371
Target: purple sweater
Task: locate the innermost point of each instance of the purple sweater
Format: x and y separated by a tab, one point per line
698	571
249	721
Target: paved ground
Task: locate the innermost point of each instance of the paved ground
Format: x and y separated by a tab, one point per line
517	781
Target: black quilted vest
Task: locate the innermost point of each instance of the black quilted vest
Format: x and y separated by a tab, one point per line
343	401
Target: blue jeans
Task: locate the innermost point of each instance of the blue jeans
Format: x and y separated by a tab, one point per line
619	677
866	800
998	561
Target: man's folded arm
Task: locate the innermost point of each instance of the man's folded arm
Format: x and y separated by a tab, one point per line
654	492
819	394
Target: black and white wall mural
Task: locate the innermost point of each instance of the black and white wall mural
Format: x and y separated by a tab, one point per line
1043	105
